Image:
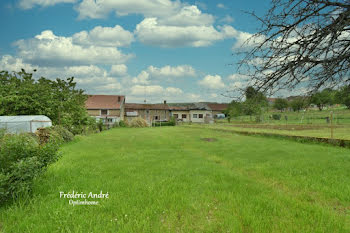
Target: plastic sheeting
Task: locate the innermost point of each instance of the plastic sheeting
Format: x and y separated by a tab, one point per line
24	124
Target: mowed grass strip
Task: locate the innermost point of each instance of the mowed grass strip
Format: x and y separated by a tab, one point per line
169	179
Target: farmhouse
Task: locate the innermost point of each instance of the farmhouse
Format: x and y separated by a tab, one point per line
149	112
217	108
192	112
108	108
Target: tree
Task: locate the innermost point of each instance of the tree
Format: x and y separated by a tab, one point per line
254	103
343	96
60	100
322	98
280	104
300	41
297	104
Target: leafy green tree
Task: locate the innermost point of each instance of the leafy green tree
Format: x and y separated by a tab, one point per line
280	104
255	102
323	98
60	100
298	104
343	96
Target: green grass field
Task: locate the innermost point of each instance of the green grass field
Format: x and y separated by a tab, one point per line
169	179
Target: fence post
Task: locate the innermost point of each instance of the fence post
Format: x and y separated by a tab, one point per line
332	124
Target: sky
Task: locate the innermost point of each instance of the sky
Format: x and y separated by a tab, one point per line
153	50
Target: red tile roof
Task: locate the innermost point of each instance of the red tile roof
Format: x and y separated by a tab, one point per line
217	107
104	101
130	106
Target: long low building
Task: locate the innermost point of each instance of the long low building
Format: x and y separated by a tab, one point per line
149	112
112	108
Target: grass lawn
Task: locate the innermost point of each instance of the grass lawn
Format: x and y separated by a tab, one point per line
322	131
170	180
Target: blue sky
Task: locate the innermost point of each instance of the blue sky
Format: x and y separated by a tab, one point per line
180	51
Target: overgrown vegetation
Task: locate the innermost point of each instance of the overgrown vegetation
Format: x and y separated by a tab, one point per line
23	157
60	100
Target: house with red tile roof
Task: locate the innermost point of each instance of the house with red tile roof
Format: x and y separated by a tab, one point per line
108	108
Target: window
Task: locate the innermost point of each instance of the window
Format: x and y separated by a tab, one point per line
104	112
110	120
176	116
200	115
184	116
195	115
156	117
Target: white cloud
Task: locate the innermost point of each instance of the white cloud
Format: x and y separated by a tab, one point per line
10	64
150	32
170	91
227	19
212	82
100	9
119	70
139	90
104	36
142	78
188	16
169	71
220	5
28	4
237	77
48	49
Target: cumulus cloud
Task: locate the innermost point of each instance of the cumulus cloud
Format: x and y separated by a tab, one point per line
139	90
47	49
10	63
220	5
188	16
100	9
28	4
119	70
227	19
150	32
169	71
104	36
237	77
212	82
142	78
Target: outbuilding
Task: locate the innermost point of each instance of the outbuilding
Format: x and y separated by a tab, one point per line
24	124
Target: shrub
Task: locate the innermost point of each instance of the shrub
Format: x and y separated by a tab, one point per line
22	158
100	125
122	123
276	116
64	133
167	123
138	122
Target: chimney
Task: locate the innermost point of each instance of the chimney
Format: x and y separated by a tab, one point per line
164	101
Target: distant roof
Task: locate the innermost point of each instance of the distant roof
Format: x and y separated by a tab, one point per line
217	107
104	101
147	106
24	118
179	108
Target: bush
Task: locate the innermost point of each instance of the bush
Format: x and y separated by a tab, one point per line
276	116
22	158
167	123
122	123
138	122
64	133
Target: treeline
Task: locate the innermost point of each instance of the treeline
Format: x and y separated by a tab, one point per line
60	100
256	102
321	99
